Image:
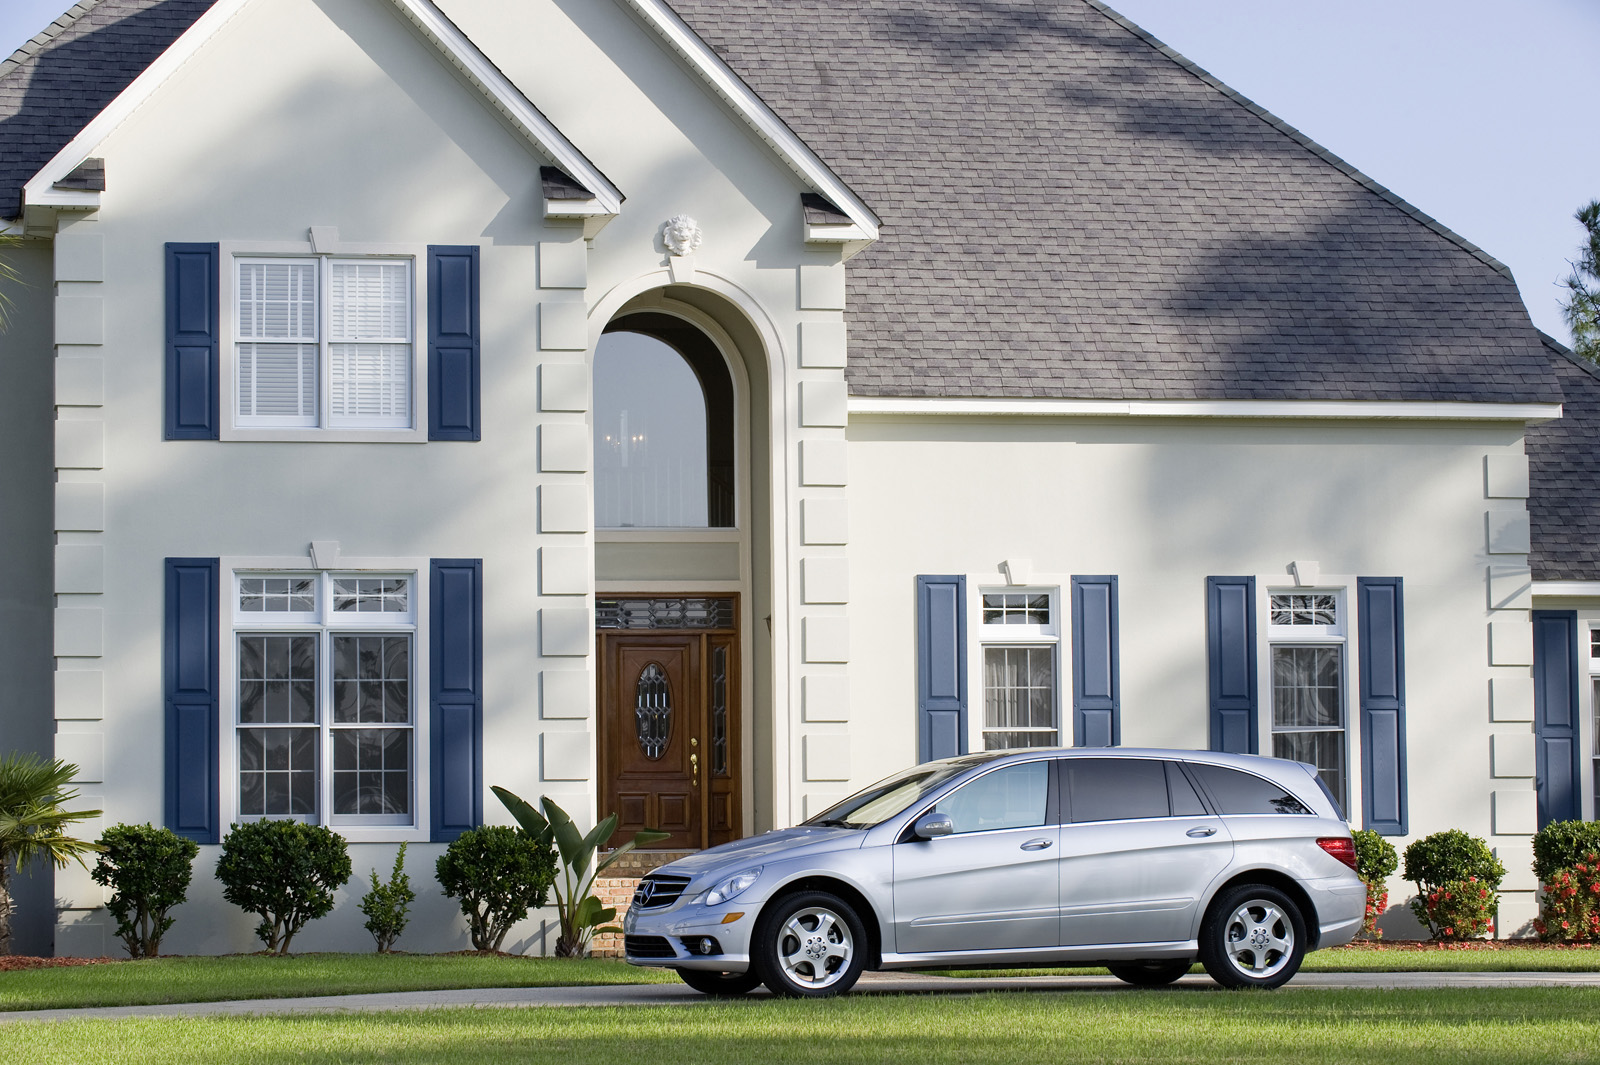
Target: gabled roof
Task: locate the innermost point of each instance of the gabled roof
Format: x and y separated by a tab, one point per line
1070	210
71	50
1564	475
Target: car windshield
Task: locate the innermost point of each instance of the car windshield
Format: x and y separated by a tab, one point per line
874	805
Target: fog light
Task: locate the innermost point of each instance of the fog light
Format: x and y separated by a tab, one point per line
707	945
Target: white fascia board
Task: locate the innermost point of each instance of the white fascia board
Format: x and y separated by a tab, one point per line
40	190
1566	589
1228	408
509	100
750	107
428	19
835	234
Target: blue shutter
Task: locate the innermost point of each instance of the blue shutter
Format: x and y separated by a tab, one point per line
453	339
1096	690
191	686
1231	652
941	667
455	639
191	386
1380	614
1555	714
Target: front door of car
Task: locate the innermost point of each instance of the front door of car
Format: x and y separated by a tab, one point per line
1138	851
992	884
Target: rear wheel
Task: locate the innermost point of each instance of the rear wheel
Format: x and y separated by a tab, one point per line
809	945
1150	973
1253	936
722	985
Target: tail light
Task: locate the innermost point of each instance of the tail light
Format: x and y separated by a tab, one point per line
1341	847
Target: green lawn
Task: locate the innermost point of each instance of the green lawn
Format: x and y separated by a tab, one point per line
159	980
1519	1026
1365	958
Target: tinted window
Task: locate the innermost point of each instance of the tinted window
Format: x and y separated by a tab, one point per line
1115	789
1185	803
1245	793
1013	797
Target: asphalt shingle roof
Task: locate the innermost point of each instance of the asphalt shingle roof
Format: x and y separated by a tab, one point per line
55	84
1069	209
1564	476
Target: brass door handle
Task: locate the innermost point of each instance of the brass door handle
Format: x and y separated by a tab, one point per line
694	763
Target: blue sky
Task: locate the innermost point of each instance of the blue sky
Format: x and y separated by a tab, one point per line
1480	112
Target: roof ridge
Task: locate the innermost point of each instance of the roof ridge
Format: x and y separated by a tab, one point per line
1294	134
32	46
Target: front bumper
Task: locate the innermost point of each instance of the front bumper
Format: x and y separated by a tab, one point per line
648	934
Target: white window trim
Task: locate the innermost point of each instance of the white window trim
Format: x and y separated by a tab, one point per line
1588	739
979	636
1343	635
231	253
417	624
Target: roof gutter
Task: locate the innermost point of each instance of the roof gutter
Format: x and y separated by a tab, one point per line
1362	410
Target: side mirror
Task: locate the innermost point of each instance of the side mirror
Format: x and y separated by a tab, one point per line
933	824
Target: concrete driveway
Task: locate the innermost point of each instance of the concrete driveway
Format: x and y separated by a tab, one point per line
678	994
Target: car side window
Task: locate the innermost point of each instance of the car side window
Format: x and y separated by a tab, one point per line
1235	792
1185	801
1013	797
1115	789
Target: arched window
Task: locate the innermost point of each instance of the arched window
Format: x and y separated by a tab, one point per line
663	427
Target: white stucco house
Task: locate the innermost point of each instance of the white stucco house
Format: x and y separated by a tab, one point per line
699	412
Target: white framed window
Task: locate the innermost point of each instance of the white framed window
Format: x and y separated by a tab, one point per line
323	343
1307	696
324	697
1019	635
1593	796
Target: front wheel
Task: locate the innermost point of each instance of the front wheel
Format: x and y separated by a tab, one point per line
809	945
1150	973
720	985
1253	936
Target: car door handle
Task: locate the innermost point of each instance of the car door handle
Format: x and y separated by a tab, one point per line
1037	844
1201	832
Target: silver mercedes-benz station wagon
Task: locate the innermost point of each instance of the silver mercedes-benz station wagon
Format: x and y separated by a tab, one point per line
1140	860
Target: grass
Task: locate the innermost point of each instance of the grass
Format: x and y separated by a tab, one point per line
1376	958
1520	1026
161	980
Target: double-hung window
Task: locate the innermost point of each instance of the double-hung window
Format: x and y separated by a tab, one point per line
1020	633
325	697
323	342
1307	633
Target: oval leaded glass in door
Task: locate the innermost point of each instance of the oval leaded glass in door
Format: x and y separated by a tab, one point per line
652	711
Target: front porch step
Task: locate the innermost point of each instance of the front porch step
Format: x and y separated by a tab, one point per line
616	889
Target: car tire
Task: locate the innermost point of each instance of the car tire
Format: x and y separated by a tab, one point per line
1150	973
1253	936
809	945
720	985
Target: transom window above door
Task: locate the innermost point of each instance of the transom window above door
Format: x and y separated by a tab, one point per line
663	427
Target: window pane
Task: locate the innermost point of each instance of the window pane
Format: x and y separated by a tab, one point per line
277	771
278	382
1325	750
369	383
1016	608
1019	694
1235	792
1185	801
1115	789
1013	797
650	435
1306	684
278	301
369	301
277	679
371	771
1314	608
372	679
371	595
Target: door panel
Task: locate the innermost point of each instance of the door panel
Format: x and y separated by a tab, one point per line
1137	881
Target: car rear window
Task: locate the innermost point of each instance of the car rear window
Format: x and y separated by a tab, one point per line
1236	792
1115	789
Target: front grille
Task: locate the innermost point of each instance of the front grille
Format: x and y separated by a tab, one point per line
648	947
655	892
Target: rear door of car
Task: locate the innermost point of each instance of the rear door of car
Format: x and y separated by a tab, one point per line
991	885
1138	850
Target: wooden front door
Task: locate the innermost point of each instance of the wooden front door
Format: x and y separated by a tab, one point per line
669	734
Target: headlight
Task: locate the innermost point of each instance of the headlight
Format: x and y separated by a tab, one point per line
730	887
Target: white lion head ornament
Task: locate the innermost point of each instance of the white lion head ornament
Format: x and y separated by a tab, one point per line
681	234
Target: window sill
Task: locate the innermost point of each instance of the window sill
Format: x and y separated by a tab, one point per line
326	436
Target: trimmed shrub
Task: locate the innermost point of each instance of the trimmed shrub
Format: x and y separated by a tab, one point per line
386	904
1562	845
1458	884
498	873
283	871
1569	903
1376	861
148	871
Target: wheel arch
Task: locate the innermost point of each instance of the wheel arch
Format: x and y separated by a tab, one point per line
1283	882
848	893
